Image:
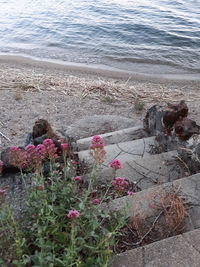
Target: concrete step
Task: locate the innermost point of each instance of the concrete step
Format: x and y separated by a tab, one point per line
148	171
143	202
124	135
177	251
125	151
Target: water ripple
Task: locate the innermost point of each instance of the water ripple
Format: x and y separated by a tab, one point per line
113	32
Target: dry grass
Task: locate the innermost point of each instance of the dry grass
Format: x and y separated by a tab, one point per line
18	95
138	105
174	211
97	88
168	220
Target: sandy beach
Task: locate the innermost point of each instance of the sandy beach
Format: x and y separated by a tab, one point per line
32	89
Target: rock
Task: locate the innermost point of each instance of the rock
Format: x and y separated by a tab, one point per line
16	195
98	124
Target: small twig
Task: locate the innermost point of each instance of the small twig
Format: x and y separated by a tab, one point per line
183	162
3	135
144	147
141	173
130	230
147	169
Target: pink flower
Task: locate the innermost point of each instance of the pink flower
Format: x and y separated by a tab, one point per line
65	147
41	149
73	214
14	148
97	145
51	149
77	178
1	166
30	147
97	149
47	142
96	142
115	164
18	157
35	156
130	193
96	201
74	162
119	183
97	139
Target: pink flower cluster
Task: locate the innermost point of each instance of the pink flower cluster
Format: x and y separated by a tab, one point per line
33	156
73	214
96	201
77	178
1	166
18	157
51	149
119	183
130	193
115	164
74	162
97	149
96	142
65	148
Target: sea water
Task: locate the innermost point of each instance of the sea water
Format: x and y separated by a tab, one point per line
125	34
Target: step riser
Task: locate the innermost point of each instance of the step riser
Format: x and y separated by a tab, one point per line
124	135
147	172
141	202
126	151
178	251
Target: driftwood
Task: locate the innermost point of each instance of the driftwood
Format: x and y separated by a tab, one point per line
161	120
174	131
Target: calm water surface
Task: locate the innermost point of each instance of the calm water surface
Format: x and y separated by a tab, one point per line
126	34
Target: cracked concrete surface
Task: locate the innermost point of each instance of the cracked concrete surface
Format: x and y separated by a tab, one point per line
178	251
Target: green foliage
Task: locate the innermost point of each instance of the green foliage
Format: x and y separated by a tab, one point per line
138	105
48	236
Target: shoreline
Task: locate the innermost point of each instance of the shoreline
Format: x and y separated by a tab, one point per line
97	70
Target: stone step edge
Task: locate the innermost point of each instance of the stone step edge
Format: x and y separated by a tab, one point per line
108	171
139	203
126	134
179	250
131	149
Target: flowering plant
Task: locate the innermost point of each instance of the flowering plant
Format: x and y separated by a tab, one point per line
115	164
67	226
